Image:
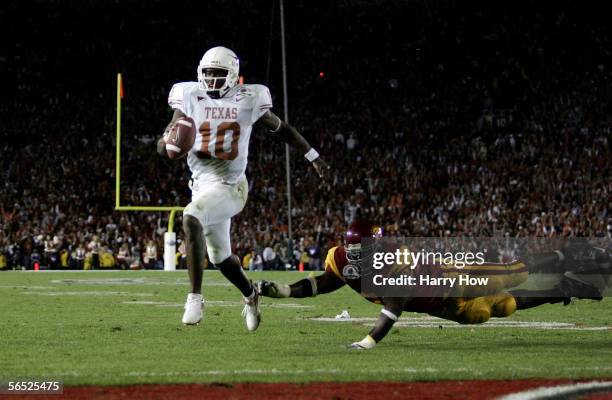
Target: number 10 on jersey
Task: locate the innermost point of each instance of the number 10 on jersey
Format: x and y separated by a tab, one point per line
219	142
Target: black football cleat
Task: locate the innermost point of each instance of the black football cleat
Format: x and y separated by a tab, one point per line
583	258
574	287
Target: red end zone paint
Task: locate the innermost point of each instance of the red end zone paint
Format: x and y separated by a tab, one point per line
325	390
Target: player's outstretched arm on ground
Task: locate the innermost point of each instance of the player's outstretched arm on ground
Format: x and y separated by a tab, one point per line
309	287
161	144
292	137
388	316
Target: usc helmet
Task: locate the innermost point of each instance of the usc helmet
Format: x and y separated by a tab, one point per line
218	71
358	230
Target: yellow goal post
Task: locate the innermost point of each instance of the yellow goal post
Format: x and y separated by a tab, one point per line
170	235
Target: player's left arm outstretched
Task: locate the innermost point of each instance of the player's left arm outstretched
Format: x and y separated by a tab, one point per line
327	283
293	138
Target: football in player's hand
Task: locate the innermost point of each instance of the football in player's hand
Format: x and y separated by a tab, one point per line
180	138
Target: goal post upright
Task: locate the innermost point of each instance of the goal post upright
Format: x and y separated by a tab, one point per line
286	118
118	145
170	235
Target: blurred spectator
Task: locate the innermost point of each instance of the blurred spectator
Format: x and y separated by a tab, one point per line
79	257
351	143
150	255
246	260
182	252
136	262
51	252
64	258
94	252
123	256
256	262
269	258
314	254
304	259
107	260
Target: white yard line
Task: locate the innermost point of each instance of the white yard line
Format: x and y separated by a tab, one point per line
215	303
135	281
88	293
433	322
560	392
27	287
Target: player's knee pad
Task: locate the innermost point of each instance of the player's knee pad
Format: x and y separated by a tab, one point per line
503	306
476	316
217	255
218	242
194	212
476	311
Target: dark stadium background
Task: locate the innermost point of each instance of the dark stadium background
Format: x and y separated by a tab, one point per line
467	117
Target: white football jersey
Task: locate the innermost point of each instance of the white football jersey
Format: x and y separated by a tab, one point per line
224	127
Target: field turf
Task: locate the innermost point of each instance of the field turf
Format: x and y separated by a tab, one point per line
103	328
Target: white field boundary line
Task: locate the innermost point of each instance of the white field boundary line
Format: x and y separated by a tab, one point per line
433	322
27	287
215	303
331	371
135	281
88	293
560	392
86	271
208	303
103	271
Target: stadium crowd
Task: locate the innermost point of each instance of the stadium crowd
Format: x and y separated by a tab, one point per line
432	130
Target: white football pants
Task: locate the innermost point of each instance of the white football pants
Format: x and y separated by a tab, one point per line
214	205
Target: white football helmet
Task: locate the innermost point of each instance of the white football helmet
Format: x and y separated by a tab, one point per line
210	71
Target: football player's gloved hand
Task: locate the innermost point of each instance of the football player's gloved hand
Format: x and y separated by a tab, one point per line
161	143
273	289
166	134
366	344
321	167
169	129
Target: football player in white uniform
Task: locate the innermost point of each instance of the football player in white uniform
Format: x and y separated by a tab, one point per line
224	113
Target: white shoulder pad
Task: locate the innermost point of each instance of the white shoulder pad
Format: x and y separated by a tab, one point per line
180	94
262	101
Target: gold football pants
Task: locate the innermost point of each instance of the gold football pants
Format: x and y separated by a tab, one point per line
469	303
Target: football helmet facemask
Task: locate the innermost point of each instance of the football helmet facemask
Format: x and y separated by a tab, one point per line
218	71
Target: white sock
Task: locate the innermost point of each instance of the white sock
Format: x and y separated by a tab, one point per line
194	296
251	296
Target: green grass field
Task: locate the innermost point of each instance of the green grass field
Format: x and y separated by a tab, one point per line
124	327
